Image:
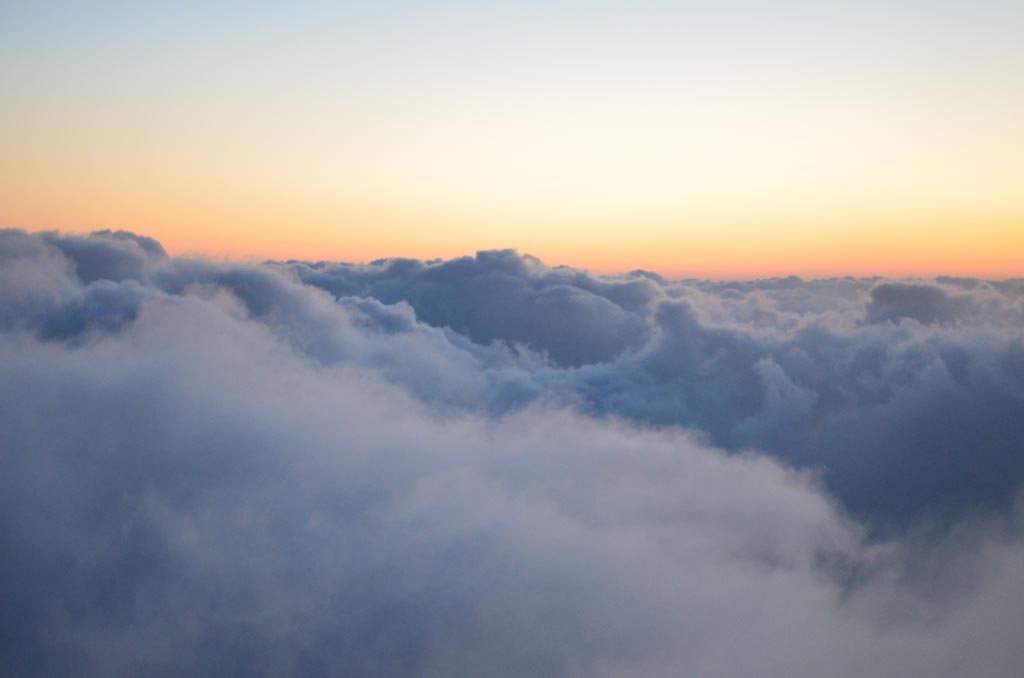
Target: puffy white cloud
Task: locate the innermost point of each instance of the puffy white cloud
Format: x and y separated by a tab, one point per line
283	469
905	395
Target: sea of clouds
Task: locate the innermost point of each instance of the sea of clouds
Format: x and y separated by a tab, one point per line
492	467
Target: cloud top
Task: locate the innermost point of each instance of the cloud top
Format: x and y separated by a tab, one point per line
490	466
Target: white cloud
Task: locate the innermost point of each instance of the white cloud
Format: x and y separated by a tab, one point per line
216	469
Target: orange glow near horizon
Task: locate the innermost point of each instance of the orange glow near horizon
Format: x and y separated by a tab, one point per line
955	221
911	246
886	204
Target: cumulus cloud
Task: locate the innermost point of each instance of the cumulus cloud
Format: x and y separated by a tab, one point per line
919	376
489	466
923	303
499	295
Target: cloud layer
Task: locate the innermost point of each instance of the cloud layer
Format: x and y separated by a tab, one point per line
489	466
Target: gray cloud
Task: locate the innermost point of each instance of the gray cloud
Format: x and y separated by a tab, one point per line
572	317
488	466
108	255
923	377
923	303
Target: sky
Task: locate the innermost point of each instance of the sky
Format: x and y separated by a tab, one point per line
559	338
722	140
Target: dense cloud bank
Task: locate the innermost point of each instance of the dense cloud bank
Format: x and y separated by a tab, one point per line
487	466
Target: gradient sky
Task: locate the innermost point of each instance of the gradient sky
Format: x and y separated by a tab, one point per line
726	139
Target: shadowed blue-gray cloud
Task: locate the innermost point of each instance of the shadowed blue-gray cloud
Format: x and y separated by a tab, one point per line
825	374
490	466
